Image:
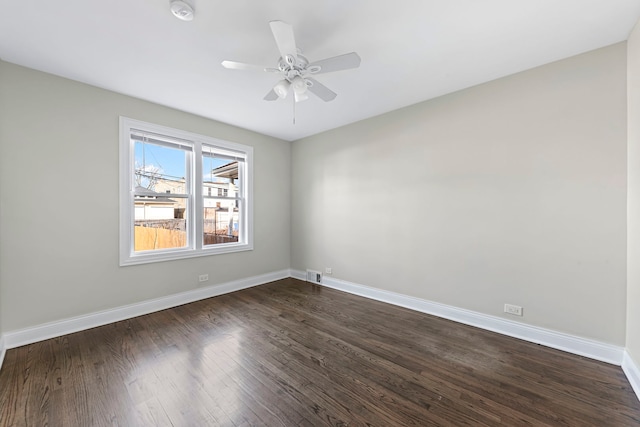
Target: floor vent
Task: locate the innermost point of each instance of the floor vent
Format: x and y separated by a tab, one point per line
314	276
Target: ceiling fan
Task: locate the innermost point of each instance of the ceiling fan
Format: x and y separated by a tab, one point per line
295	68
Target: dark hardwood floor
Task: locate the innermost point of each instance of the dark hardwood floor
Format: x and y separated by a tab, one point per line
293	354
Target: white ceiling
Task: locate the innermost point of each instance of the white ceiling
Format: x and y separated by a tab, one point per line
411	50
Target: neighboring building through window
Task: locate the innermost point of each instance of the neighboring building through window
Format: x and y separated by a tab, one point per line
181	194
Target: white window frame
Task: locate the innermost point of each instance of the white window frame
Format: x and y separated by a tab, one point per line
195	211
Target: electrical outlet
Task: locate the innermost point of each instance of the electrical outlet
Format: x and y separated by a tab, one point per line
203	278
516	310
327	270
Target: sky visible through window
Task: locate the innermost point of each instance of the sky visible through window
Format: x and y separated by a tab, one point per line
169	163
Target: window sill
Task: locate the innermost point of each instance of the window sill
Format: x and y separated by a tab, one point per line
172	255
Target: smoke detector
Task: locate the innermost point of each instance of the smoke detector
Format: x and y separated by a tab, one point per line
181	10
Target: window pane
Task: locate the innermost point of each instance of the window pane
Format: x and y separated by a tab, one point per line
160	220
220	176
159	169
159	225
221	221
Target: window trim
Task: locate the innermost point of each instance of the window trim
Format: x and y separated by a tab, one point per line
195	237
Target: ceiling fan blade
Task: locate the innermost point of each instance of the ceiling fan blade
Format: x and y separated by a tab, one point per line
283	33
336	63
233	65
320	90
271	96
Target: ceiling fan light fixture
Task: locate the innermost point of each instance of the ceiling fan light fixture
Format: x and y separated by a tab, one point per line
182	10
299	85
282	88
300	96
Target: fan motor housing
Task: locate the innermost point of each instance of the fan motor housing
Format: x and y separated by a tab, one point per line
300	64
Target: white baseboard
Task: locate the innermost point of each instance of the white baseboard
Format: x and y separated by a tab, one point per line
66	326
632	371
300	275
565	342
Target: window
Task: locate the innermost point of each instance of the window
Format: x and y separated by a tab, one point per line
182	195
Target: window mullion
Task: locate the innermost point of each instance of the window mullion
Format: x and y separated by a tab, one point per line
241	174
198	198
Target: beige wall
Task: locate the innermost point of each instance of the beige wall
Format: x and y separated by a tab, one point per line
58	158
633	161
509	192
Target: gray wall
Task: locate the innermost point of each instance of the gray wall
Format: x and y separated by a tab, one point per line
509	192
513	191
633	239
59	202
